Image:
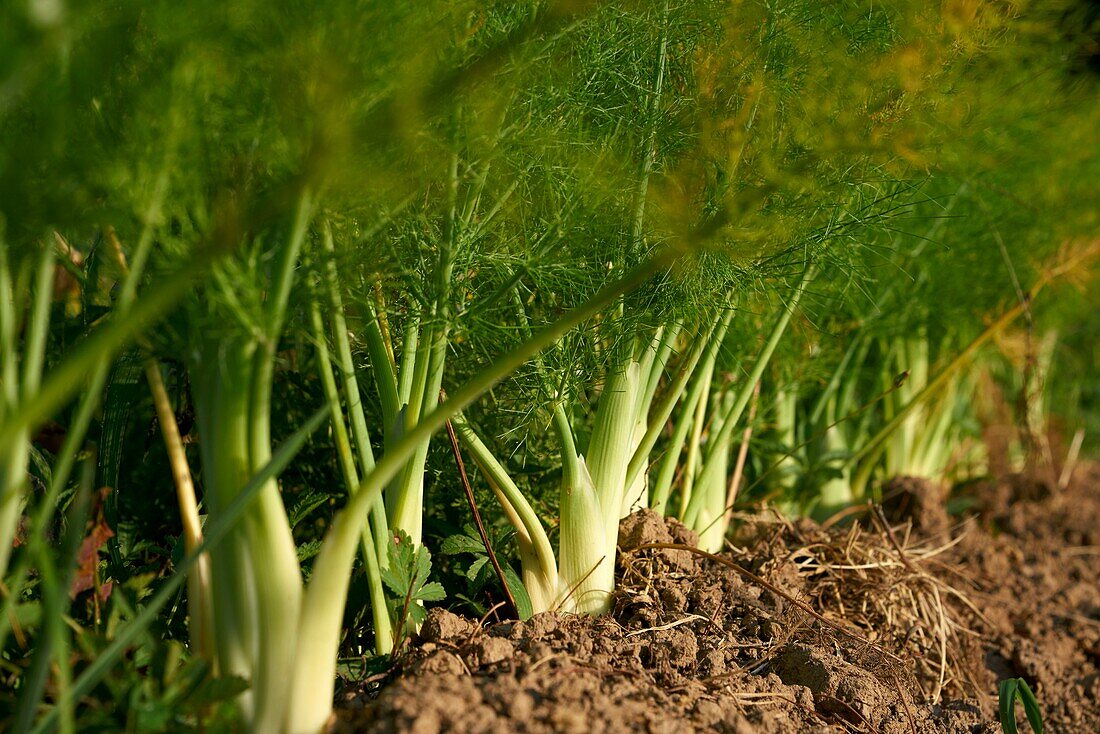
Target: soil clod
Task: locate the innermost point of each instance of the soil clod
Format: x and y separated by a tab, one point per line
939	609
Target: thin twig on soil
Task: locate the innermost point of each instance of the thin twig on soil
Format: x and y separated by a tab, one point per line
880	519
905	703
1072	457
671	625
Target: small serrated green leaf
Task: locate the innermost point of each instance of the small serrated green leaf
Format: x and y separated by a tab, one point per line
417	615
477	607
308	550
303	507
423	565
457	544
401	552
475	568
391	577
407	578
431	592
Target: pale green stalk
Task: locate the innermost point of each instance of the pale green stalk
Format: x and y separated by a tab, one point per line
405	505
271	542
383	367
707	513
835	493
404	498
707	341
16	450
383	627
733	415
537	561
652	367
736	478
698	414
650	363
925	439
590	508
221	413
609	452
573	581
636	493
700	383
655	358
864	460
831	410
584	579
408	361
257	583
911	355
786	423
940	438
715	464
586	553
387	394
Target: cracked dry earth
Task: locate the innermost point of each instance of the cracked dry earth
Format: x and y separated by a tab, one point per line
901	622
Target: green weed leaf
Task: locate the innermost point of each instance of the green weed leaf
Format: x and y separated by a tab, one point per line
474	571
432	592
1010	690
309	549
457	544
519	593
407	579
216	690
1007	705
303	507
1031	707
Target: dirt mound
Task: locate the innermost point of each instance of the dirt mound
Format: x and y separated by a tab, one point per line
874	627
1037	569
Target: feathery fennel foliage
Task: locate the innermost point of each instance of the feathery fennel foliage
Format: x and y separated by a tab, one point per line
612	241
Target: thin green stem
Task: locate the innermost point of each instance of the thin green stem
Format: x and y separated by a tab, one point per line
383	628
34	351
387	388
706	342
733	415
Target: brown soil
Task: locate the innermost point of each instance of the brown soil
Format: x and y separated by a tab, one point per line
901	623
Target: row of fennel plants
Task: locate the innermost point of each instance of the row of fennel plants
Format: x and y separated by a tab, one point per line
629	209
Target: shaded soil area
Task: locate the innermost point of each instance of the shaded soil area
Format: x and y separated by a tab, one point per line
901	621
